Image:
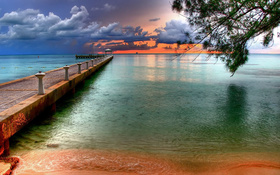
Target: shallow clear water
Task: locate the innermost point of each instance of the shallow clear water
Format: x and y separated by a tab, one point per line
191	110
13	67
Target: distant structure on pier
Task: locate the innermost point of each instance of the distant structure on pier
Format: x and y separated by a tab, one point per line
108	52
88	56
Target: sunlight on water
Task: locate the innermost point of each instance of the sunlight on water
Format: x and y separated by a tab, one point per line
188	111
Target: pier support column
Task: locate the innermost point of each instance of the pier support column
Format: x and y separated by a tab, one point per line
83	82
79	68
91	62
40	76
66	72
53	108
73	91
5	148
87	64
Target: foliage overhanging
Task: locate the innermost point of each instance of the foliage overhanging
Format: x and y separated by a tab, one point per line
227	26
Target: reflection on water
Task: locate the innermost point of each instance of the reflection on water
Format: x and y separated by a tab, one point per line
234	120
194	115
236	103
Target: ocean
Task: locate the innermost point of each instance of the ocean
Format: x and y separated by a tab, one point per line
13	67
156	114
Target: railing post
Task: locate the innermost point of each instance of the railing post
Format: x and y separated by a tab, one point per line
79	68
66	72
87	64
91	62
40	76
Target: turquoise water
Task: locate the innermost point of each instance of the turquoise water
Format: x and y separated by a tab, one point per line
13	67
183	108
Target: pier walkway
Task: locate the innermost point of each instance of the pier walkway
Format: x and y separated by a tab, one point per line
20	102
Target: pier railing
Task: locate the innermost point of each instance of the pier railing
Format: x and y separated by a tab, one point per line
89	56
23	99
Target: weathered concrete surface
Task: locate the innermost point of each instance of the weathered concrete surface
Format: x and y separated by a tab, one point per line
4	167
19	102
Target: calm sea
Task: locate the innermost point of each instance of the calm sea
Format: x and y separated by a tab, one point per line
13	67
187	109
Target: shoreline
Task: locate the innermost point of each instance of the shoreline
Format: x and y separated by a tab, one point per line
8	164
84	161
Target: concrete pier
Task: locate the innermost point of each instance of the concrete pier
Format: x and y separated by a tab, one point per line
89	56
20	102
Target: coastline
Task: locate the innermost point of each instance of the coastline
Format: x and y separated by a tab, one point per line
200	123
84	161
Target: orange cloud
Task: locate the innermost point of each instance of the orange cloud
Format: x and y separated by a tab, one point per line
165	48
145	47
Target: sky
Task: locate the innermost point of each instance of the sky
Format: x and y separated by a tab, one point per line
91	26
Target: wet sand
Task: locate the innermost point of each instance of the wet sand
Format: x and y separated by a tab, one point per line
85	162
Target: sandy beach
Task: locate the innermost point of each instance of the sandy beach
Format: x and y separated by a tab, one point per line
85	162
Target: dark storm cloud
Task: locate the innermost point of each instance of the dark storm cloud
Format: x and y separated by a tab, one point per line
31	24
19	18
173	31
115	31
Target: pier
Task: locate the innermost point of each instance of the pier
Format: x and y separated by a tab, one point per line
24	99
88	56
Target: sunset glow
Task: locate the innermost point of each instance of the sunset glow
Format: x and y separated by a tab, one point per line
86	27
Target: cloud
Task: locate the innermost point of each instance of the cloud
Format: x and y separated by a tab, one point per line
115	31
27	24
121	45
128	46
106	7
31	24
109	7
173	31
79	15
154	19
19	18
168	47
74	10
35	27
